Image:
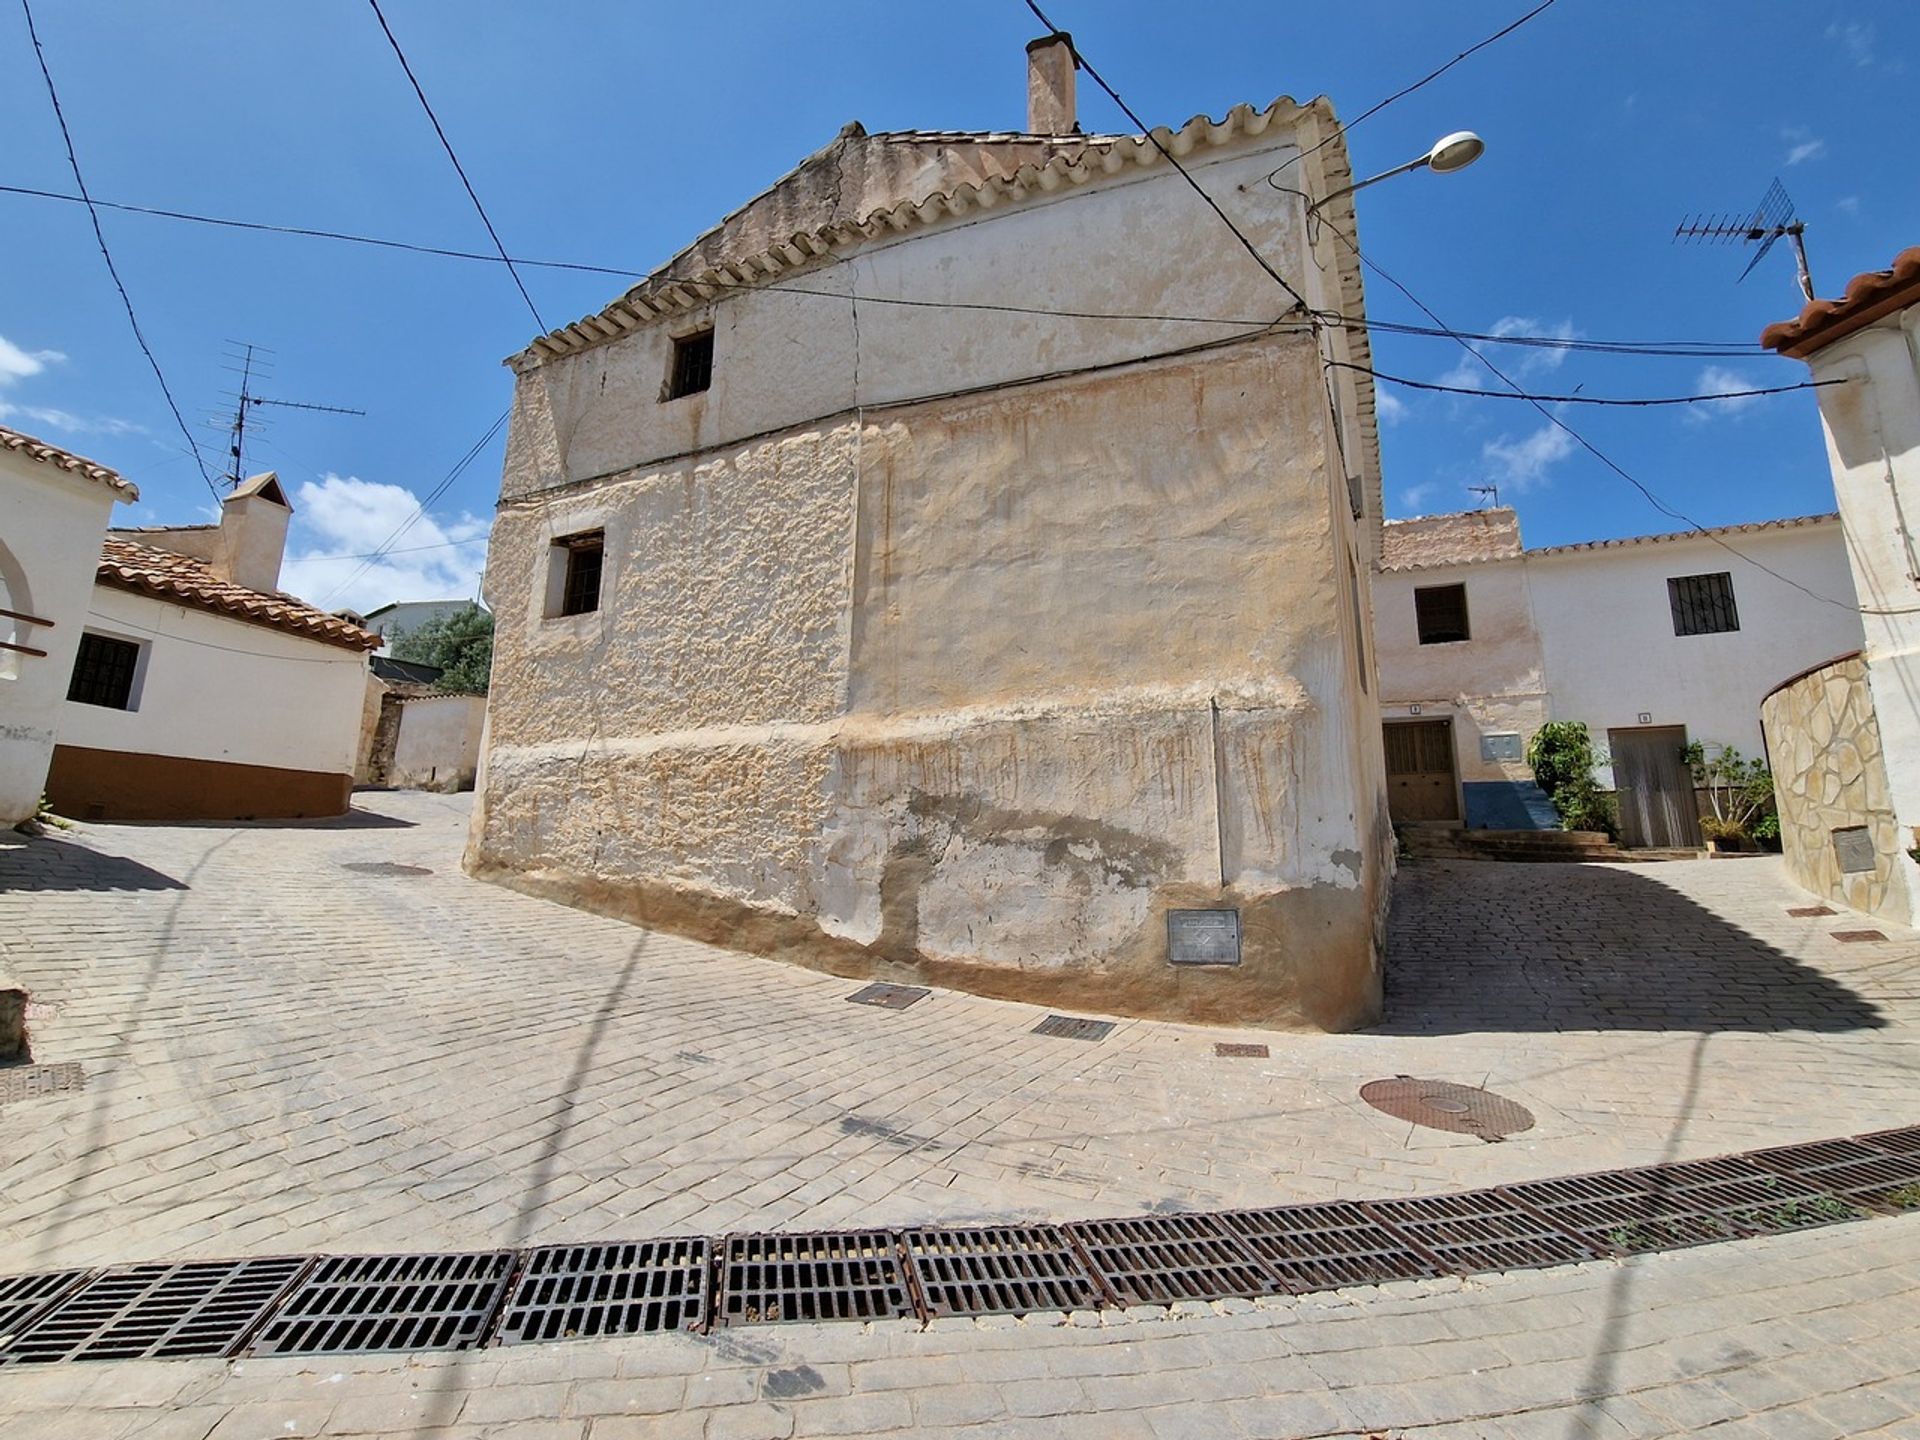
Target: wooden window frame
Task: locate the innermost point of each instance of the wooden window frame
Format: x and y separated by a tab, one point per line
1430	622
577	594
690	368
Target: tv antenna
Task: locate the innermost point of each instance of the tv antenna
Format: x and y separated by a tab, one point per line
247	399
1490	494
1771	219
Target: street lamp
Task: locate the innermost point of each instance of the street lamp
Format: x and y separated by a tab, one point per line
1449	153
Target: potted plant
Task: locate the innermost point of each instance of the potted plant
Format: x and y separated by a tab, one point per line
1723	838
1739	792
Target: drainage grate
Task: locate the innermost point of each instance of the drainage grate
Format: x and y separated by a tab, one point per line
1481	1230
29	1082
1161	1258
840	1275
1856	937
362	1304
383	867
1072	1027
999	1270
1443	1105
569	1292
158	1312
1237	1050
1903	1141
889	997
1851	1170
24	1296
1665	1207
1804	912
1327	1247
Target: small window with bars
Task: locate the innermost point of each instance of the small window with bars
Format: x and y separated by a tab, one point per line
1703	604
580	590
1441	613
692	369
103	672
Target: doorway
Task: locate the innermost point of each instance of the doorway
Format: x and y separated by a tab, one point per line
1420	779
1655	788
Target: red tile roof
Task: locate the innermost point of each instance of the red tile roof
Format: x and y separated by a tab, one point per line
66	460
1868	298
186	581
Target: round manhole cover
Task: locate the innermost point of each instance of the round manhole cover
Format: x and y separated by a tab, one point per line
384	867
1443	1105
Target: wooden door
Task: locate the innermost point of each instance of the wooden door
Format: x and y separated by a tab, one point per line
1420	771
1654	786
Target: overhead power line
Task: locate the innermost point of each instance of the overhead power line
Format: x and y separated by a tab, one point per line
1577	399
459	169
100	238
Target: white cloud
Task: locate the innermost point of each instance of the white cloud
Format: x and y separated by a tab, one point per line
1856	37
1389	407
1517	361
1414	496
1519	465
1848	205
344	516
18	364
1718	380
48	417
1802	144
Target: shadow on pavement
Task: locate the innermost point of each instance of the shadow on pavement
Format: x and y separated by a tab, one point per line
1483	946
43	863
353	820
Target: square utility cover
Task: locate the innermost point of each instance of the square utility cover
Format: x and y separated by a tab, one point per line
1203	937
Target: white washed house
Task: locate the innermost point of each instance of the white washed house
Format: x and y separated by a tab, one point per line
1652	642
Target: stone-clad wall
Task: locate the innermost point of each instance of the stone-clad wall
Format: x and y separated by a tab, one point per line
1823	742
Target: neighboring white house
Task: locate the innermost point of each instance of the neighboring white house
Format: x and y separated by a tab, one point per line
847	615
198	690
54	507
1652	642
402	617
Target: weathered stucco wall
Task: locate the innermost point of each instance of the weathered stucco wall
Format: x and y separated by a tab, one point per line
439	742
1829	774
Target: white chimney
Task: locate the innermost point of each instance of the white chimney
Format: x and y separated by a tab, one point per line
1050	66
253	534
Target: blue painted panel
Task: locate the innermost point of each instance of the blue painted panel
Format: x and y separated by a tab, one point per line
1508	805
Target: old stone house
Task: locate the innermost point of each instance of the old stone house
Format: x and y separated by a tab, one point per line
953	567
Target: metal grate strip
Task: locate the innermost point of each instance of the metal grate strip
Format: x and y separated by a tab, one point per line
840	1275
1851	1170
363	1304
1481	1230
999	1270
569	1292
157	1312
1328	1246
1903	1141
1157	1259
22	1297
1073	1027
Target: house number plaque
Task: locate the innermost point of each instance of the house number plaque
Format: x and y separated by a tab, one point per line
1203	937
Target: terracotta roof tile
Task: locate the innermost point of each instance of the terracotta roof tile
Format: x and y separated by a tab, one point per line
66	460
1791	522
1868	297
186	581
1462	539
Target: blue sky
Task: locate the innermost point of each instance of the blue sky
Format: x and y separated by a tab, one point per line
613	133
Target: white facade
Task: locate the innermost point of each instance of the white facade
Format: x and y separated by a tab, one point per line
403	617
51	521
439	743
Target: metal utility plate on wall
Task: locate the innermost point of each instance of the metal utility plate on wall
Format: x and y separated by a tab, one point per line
1203	937
1853	849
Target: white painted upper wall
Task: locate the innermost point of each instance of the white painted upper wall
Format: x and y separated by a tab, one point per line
209	687
49	552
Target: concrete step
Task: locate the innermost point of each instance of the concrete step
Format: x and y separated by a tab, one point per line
1525	846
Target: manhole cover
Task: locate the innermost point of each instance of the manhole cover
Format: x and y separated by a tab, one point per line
888	997
1442	1105
1072	1027
383	867
27	1082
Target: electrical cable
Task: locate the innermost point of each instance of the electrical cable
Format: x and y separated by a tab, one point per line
459	169
99	235
1577	399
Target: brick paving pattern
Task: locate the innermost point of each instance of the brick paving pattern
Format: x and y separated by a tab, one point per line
283	1054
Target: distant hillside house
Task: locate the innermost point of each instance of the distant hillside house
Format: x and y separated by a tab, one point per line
198	690
878	590
1652	642
403	617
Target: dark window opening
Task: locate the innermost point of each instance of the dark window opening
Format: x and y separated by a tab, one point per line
1441	612
103	672
1703	604
692	365
1359	625
580	592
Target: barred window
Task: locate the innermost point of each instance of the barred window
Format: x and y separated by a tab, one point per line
1441	612
580	591
1703	604
692	365
103	672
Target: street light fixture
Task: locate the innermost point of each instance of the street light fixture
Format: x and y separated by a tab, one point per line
1449	153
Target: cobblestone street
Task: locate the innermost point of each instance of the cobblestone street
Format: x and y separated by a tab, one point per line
325	1036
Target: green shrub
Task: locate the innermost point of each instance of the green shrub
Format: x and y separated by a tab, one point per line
1563	759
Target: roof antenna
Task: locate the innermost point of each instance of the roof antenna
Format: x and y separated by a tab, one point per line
1492	492
1772	218
246	398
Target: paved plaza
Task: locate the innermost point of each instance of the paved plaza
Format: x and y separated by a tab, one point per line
325	1037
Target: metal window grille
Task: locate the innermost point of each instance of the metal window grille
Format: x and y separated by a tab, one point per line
1441	613
692	365
1703	604
103	672
580	595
